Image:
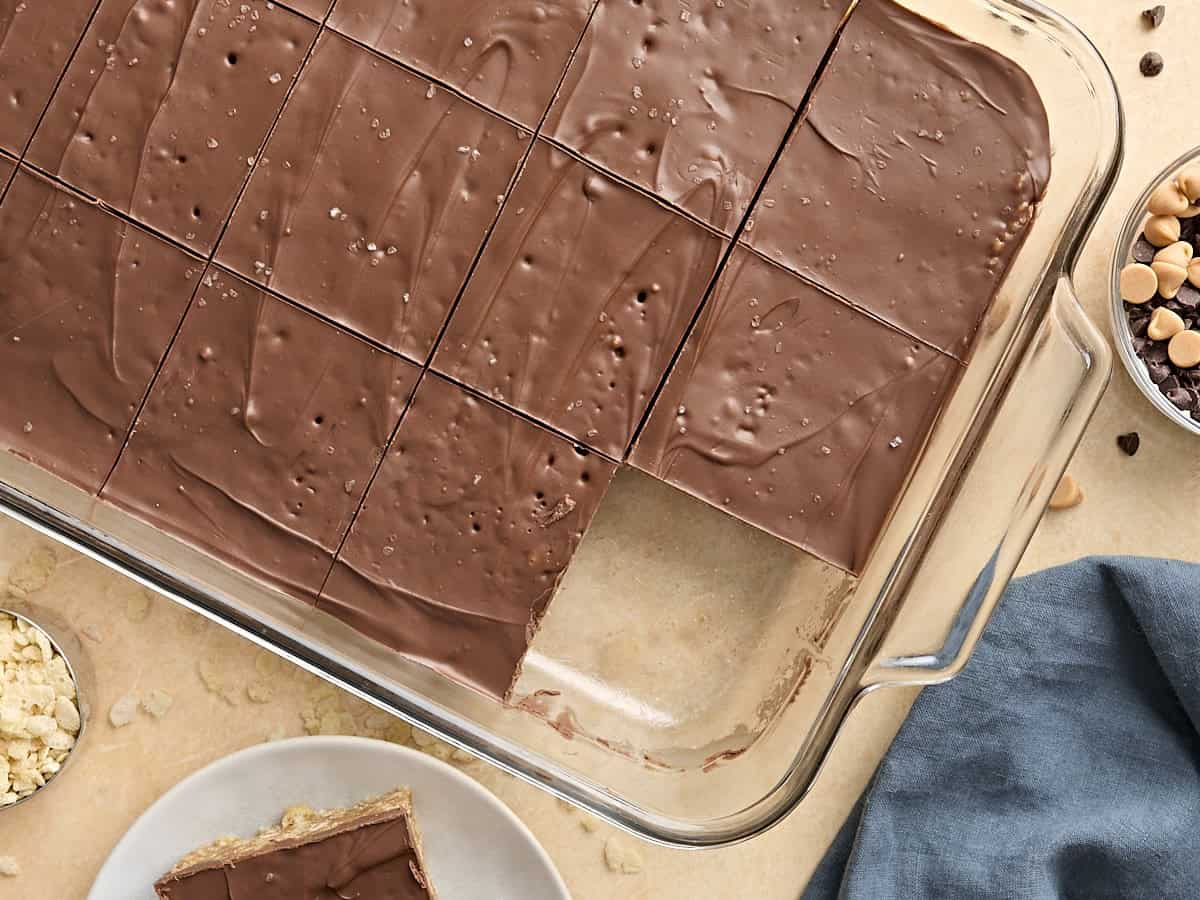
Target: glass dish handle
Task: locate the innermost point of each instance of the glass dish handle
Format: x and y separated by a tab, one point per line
1054	391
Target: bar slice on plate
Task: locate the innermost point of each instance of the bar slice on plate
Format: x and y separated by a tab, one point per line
370	851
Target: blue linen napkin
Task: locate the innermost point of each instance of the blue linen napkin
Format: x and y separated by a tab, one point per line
1063	763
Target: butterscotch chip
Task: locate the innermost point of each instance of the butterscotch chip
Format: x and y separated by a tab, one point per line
1162	231
1180	253
1190	213
1170	278
1189	183
1138	283
1067	495
1164	325
1168	200
1184	349
1194	272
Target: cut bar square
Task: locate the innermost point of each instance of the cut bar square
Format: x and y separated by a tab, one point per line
509	56
88	305
373	197
691	101
260	434
911	184
163	109
369	850
579	302
795	412
36	40
464	536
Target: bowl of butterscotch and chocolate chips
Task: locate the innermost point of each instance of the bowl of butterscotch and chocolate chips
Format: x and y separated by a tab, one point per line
1156	292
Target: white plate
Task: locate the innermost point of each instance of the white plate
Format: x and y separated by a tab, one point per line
474	847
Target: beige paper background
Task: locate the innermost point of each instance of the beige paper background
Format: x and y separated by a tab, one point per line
1144	505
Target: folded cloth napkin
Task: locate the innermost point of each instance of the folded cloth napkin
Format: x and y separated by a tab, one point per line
1063	763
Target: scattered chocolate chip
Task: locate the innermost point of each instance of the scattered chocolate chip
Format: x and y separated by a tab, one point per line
1143	251
1129	443
1151	64
1155	15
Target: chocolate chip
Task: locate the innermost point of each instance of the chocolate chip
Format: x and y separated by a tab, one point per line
1143	251
1129	443
1158	371
1187	229
1154	16
1156	353
1188	298
1151	64
1180	398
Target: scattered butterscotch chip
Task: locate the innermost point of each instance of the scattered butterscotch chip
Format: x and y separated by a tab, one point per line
1184	349
1067	495
1193	271
1189	183
1138	283
620	857
1151	64
1129	443
1170	278
1162	231
1167	200
1154	15
1180	253
1164	325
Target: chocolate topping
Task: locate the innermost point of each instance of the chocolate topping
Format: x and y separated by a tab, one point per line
260	434
36	40
909	188
87	306
165	105
372	197
464	536
795	412
691	101
580	301
509	56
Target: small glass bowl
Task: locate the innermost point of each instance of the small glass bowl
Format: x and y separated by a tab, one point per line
1129	234
64	642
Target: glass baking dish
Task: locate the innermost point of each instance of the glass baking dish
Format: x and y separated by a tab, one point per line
692	673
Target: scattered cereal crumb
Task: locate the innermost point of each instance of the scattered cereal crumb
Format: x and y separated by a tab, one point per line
462	757
32	573
422	740
123	711
588	824
260	692
157	702
210	673
619	857
9	867
267	664
137	605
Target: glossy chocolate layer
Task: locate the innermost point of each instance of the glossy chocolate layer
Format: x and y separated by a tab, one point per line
88	305
314	9
373	197
795	412
509	56
580	301
165	105
464	536
910	186
36	40
691	101
372	855
260	434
